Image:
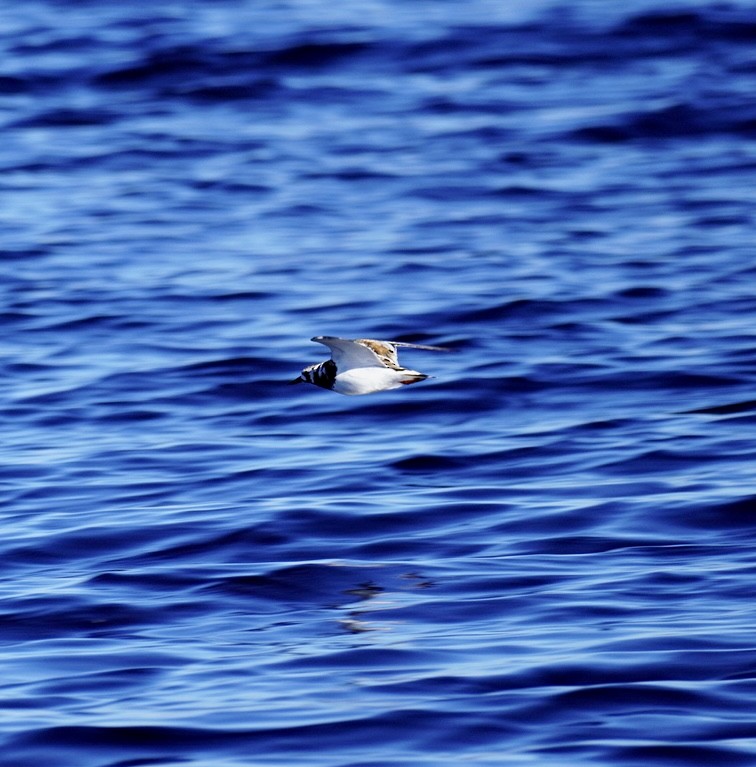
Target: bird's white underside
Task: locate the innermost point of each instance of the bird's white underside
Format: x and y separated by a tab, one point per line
366	380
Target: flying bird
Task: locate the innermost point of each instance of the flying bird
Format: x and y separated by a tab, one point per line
362	366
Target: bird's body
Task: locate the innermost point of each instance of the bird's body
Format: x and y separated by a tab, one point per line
362	366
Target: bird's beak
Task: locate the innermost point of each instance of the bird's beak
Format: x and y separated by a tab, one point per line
296	381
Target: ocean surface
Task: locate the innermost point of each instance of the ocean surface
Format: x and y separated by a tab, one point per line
542	556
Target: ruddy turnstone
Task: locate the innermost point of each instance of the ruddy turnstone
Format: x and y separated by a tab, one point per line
362	366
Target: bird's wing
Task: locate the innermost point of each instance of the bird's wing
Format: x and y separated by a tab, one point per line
386	350
387	353
350	354
419	346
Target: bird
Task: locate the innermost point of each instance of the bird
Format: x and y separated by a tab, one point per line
362	366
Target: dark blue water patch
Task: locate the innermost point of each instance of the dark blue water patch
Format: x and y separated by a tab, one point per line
731	408
133	415
144	742
637	37
425	463
228	74
11	254
645	670
311	584
738	514
651	754
12	85
112	743
725	23
628	700
141	578
66	117
72	544
189	546
681	121
307	55
580	544
680	755
40	619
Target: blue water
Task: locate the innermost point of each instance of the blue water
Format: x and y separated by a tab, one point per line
544	555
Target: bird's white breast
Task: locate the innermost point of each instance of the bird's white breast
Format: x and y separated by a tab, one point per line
368	380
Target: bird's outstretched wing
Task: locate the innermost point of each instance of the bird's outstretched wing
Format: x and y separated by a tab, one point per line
367	352
350	354
418	346
386	350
